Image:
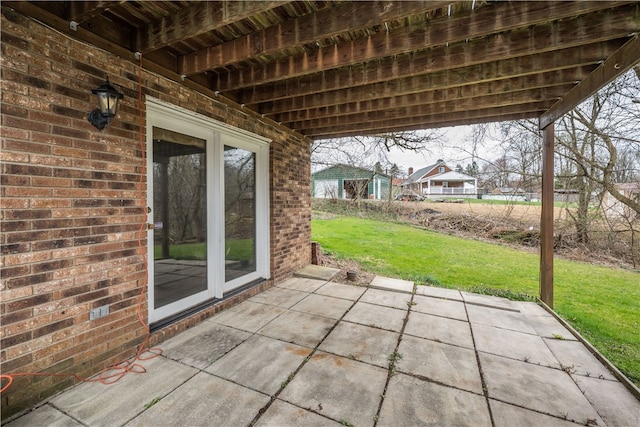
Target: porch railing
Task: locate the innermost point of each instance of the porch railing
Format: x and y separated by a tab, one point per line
450	190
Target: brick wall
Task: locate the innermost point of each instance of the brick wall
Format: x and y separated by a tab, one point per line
72	204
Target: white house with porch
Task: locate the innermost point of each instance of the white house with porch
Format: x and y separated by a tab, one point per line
439	179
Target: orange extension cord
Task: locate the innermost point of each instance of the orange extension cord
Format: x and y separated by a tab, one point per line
116	372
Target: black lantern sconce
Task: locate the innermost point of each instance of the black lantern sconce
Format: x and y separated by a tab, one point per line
108	98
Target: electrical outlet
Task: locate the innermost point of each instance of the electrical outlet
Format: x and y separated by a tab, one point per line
99	312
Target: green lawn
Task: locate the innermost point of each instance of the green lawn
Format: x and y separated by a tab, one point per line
602	303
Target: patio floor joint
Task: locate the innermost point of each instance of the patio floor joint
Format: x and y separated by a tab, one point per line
291	376
391	370
485	389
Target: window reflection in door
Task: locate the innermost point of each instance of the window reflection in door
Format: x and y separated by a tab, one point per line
180	216
240	212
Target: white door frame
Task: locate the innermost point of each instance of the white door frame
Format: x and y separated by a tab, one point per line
217	135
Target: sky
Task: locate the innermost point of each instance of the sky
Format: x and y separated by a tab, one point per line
454	146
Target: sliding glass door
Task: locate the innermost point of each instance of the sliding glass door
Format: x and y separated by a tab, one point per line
180	216
208	212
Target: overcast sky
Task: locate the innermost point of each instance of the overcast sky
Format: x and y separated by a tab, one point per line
454	146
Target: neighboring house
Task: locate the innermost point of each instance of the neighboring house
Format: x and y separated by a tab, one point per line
613	206
349	182
439	179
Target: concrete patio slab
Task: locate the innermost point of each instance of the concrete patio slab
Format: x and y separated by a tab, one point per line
612	400
260	363
489	301
512	344
549	327
248	316
505	415
280	297
439	307
281	413
499	318
578	359
431	291
203	344
388	299
312	271
390	284
322	305
387	318
344	390
363	343
96	404
302	284
204	400
440	362
449	331
410	401
339	290
277	366
298	328
538	388
530	308
47	416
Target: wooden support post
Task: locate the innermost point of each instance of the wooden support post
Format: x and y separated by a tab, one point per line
546	217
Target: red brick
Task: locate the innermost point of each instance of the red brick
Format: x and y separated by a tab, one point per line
21	123
13	157
28	192
26	303
90	296
28	324
16	339
51	182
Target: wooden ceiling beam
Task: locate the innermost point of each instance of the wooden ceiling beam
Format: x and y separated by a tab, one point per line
512	100
444	79
324	24
510	91
439	90
114	45
621	61
403	72
421	125
440	119
508	42
82	11
200	18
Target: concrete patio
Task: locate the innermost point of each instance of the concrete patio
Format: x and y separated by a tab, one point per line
312	352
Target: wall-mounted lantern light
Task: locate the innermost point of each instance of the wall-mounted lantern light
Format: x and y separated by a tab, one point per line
108	98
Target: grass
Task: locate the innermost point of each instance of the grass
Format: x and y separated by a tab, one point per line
602	303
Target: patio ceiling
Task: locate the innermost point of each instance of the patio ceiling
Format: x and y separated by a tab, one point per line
338	68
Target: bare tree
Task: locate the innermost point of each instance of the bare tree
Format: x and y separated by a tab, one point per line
602	137
367	150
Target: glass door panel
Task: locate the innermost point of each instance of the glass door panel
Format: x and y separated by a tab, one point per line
239	212
207	189
180	217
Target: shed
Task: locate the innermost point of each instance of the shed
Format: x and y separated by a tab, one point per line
349	182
